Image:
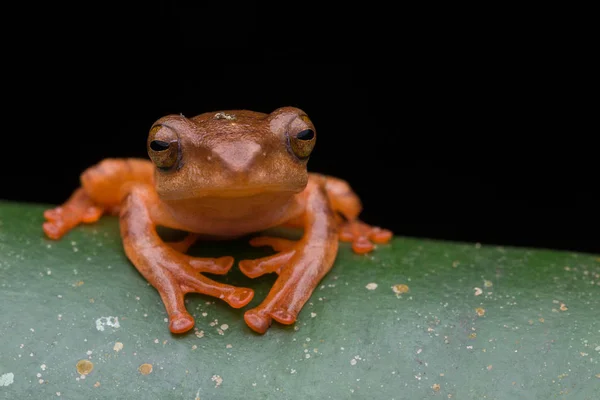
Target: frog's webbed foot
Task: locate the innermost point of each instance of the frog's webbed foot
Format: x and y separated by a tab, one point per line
363	235
176	276
260	318
299	271
274	263
79	208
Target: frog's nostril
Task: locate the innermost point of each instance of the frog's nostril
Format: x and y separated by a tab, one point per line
237	156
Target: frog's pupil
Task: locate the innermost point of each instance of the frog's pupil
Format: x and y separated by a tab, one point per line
159	145
306	134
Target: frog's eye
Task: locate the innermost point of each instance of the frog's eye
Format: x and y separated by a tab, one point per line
303	142
306	134
159	145
163	147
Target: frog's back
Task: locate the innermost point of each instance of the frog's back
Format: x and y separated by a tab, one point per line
231	115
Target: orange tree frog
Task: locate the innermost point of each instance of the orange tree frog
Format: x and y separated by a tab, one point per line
224	175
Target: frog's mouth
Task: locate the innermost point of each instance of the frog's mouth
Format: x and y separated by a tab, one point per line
231	192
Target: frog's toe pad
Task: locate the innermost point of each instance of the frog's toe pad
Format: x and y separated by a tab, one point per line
181	323
258	321
362	236
240	297
283	316
53	230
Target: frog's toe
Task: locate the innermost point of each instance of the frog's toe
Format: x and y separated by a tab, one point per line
240	297
181	323
362	245
53	214
53	230
362	236
258	321
217	266
283	316
265	265
379	235
278	244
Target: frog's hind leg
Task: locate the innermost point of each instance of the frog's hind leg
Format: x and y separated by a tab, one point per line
348	205
100	193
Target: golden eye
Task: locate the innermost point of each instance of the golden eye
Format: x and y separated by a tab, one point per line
163	147
303	142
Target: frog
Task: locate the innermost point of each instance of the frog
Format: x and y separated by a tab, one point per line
224	175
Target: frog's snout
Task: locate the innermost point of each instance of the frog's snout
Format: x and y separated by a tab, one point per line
237	157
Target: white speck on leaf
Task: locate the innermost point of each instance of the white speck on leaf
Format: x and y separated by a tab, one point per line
107	321
371	286
224	327
118	346
7	379
478	291
313	314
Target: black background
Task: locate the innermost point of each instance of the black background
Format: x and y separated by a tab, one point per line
447	131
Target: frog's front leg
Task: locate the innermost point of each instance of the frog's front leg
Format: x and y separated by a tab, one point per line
301	265
172	273
348	206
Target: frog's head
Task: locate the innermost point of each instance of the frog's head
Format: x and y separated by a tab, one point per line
231	153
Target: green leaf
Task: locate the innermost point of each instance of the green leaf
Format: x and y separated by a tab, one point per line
477	322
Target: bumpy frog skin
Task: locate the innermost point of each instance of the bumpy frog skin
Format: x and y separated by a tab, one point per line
224	175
